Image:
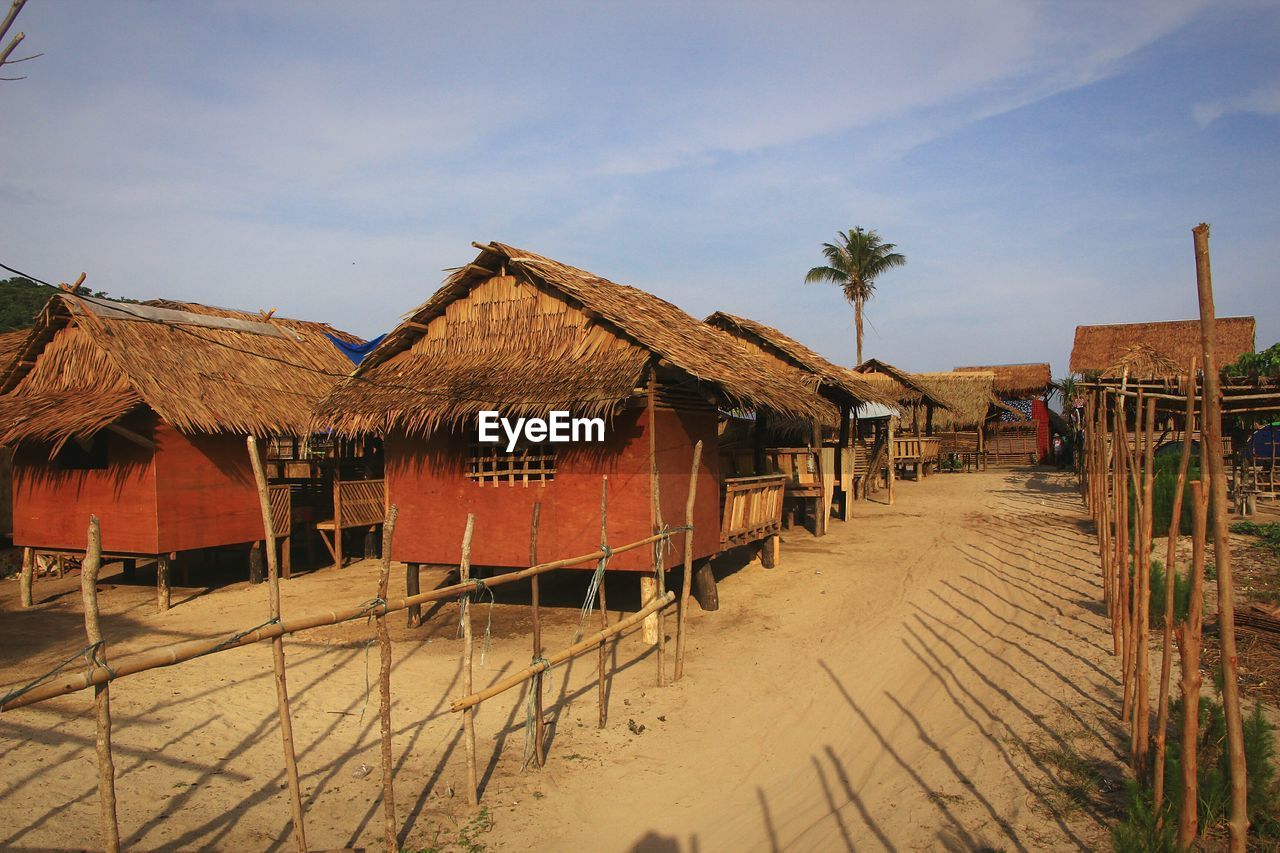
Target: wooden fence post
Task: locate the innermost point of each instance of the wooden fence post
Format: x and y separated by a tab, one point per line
1211	439
687	580
602	686
390	826
1189	643
28	574
277	650
101	692
468	717
656	624
1143	718
539	726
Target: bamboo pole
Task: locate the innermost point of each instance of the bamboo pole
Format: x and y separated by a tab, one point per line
686	581
539	725
1189	643
659	548
1170	572
586	644
1211	436
601	686
1122	551
101	692
1143	727
468	719
175	653
390	825
277	649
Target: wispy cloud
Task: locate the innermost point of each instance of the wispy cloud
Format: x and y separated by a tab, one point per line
1264	100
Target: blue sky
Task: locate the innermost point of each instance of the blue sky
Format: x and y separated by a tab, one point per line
1040	164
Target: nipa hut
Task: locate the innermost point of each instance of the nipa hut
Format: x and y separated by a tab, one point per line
138	413
1024	387
522	335
817	476
1097	349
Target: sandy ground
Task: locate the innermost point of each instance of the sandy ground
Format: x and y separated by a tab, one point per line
930	675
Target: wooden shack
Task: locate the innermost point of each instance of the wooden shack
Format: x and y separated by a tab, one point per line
522	335
1024	387
1097	349
137	413
819	472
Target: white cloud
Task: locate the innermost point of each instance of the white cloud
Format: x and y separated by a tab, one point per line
1264	100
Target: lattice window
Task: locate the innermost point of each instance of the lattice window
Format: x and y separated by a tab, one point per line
492	464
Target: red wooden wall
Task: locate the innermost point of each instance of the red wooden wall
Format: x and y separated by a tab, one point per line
189	492
426	479
1040	413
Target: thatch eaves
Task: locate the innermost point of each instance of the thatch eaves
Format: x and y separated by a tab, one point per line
970	395
10	343
1017	380
774	344
520	333
1099	348
88	361
902	387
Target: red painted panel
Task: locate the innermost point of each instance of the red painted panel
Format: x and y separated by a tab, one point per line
425	478
52	506
1040	412
207	494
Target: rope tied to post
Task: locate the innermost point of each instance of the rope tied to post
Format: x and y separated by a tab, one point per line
479	589
530	711
593	589
370	607
89	653
235	638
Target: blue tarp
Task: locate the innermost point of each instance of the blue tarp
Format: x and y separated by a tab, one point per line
355	352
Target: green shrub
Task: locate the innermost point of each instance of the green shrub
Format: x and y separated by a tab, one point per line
1181	594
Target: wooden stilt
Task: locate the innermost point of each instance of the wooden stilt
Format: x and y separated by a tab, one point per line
257	563
842	494
889	473
539	725
602	687
101	692
391	830
129	570
28	575
277	651
771	551
704	587
648	592
337	508
1211	439
286	556
819	505
687	576
162	582
468	716
412	580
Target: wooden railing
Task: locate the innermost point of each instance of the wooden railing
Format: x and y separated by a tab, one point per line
801	468
930	449
278	497
751	508
360	503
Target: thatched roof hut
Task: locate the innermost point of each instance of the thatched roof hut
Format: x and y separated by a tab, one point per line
89	361
903	388
834	382
969	395
1097	349
1017	381
558	337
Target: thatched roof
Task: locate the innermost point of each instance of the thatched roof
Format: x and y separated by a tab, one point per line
520	333
88	361
774	344
970	394
1141	361
10	343
900	386
1017	380
1099	348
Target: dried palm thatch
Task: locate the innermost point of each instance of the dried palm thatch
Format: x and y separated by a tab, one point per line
1015	381
838	382
1098	348
523	334
902	387
970	395
1142	361
10	343
88	361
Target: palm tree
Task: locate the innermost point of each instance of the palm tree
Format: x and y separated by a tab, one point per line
854	262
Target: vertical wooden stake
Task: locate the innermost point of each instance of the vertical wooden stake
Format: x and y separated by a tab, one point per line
391	829
1122	551
1170	572
28	574
412	586
1144	600
687	581
658	619
277	649
1211	440
337	504
163	593
602	688
468	716
538	724
889	457
101	692
1189	643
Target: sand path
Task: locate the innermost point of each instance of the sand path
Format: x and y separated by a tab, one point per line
921	678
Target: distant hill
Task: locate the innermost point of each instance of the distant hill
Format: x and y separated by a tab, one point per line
21	299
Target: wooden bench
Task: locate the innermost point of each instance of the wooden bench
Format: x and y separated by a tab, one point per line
356	504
